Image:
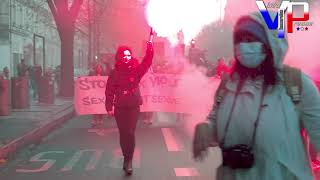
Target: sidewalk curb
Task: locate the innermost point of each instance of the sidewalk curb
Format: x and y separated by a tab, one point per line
37	134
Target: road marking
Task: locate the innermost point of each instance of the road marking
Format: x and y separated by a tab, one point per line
186	172
37	158
171	141
96	156
94	160
117	159
102	132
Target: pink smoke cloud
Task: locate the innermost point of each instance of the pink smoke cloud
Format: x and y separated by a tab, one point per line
198	90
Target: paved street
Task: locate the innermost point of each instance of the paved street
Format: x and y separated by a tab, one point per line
78	152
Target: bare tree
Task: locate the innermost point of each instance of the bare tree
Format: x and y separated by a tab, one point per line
65	19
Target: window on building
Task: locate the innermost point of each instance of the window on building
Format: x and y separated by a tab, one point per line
16	60
18	15
28	19
4	8
14	13
23	17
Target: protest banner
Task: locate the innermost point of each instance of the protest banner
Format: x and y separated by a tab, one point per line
159	92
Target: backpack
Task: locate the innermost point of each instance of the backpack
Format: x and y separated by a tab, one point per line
292	83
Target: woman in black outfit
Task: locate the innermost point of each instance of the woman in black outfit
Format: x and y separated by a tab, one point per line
123	97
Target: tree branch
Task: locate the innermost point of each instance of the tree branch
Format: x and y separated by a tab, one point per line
75	7
53	9
55	13
65	6
62	7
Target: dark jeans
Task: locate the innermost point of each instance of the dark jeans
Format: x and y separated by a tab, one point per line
127	120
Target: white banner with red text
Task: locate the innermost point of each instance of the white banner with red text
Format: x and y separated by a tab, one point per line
160	93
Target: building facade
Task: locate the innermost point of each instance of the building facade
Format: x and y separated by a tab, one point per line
28	31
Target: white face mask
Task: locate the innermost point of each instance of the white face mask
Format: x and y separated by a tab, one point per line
126	56
250	54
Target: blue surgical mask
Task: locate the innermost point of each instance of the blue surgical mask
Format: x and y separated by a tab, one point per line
250	54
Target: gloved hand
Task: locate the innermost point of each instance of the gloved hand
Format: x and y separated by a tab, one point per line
201	141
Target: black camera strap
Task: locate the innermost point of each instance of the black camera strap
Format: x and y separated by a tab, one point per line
263	92
232	109
240	84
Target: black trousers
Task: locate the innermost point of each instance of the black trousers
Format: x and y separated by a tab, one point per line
127	118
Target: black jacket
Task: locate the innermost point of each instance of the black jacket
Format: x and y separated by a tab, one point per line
122	88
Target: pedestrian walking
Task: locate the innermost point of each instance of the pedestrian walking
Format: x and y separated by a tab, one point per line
123	97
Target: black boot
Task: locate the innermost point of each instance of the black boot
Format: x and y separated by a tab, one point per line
125	164
127	167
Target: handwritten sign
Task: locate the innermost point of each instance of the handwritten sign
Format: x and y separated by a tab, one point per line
159	92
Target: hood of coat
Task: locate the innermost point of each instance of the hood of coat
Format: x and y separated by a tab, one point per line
278	46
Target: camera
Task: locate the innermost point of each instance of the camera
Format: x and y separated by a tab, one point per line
238	156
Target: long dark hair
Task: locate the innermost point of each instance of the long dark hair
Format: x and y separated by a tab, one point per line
119	56
120	51
266	69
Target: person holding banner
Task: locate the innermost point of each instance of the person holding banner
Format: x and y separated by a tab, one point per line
123	97
97	119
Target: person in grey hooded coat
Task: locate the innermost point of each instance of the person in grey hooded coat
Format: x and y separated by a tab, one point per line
257	111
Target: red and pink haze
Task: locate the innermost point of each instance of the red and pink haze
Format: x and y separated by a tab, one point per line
192	17
168	17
